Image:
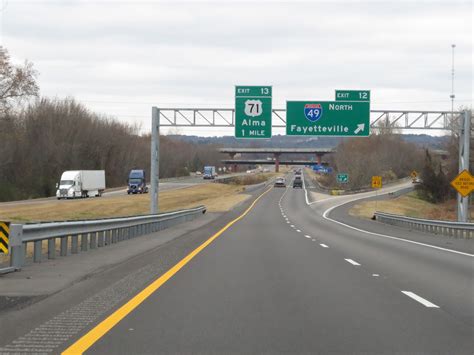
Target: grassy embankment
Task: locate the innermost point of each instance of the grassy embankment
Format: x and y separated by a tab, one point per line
408	205
216	197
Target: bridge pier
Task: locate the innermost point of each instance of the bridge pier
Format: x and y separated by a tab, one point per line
318	158
277	162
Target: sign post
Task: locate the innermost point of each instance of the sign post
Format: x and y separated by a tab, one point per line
253	112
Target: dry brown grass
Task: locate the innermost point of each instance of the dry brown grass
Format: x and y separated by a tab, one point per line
216	197
408	205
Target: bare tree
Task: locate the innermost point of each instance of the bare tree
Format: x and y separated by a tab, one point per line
16	82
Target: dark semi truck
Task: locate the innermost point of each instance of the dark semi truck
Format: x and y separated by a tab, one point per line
137	182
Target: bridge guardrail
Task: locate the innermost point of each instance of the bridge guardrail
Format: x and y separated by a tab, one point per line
83	235
448	228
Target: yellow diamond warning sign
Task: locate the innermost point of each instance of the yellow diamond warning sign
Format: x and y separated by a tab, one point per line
463	183
4	235
376	182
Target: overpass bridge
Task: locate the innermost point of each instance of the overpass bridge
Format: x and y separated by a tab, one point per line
318	153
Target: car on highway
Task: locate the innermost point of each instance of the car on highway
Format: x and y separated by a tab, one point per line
298	172
280	182
298	182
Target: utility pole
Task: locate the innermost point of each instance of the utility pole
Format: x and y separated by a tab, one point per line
155	159
452	96
464	141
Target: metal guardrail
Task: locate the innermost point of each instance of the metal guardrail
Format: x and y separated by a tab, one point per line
80	236
451	229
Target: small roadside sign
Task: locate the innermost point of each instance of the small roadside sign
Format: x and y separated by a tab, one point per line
376	182
463	183
4	237
342	178
414	174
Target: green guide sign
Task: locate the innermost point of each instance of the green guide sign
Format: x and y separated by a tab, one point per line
352	95
327	118
253	112
342	178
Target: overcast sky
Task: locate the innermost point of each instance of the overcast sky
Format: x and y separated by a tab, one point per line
121	57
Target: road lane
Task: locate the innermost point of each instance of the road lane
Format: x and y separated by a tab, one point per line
446	278
263	287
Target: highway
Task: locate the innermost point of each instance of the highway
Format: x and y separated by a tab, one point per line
284	275
165	185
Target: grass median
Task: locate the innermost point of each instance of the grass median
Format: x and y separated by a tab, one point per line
216	197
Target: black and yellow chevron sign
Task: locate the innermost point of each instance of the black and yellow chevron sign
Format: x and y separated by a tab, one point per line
4	234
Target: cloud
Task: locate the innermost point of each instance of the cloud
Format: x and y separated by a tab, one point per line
122	57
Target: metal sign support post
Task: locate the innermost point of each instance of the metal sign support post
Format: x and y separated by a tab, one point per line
155	159
464	138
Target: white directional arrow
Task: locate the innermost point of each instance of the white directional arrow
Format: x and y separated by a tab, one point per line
360	127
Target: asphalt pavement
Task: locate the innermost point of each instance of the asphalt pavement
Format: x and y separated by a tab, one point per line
287	277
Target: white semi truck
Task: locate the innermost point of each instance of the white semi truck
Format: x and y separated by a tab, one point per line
81	183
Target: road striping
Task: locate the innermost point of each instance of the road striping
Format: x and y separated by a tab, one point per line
288	222
91	337
324	245
424	302
298	231
292	226
350	261
375	275
307	236
325	216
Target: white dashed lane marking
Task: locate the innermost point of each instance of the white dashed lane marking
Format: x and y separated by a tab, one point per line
350	261
417	298
307	236
324	245
298	231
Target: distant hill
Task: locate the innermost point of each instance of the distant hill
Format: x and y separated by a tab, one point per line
282	141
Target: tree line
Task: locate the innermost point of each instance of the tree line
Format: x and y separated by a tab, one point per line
42	137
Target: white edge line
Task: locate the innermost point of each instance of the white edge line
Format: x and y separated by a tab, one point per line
325	216
350	261
424	302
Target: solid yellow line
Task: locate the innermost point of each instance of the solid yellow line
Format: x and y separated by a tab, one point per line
86	341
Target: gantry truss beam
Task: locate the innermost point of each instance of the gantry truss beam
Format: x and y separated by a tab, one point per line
225	117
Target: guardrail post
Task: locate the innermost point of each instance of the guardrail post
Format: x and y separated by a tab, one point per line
74	244
37	253
17	248
101	239
64	243
52	248
107	236
93	240
84	241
